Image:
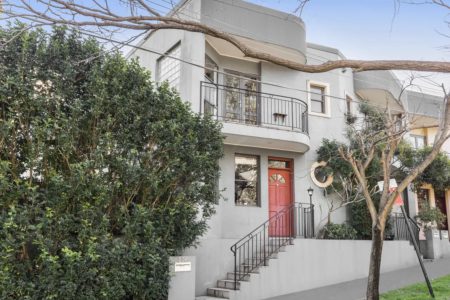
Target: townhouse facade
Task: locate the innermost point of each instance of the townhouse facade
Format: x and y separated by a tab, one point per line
274	119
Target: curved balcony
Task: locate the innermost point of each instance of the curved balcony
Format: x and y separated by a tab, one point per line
255	119
381	88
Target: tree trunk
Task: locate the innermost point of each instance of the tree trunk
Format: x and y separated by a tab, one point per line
373	283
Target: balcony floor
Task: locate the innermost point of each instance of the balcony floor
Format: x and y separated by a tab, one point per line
265	137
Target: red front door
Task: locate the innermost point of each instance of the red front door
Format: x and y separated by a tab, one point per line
280	198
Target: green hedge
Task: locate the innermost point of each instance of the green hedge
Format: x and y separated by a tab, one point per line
103	176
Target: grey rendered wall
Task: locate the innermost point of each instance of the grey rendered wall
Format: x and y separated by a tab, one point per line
307	264
192	50
233	222
315	263
249	20
382	80
423	104
213	260
182	284
435	246
332	127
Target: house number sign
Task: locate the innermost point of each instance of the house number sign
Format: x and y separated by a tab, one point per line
183	266
436	234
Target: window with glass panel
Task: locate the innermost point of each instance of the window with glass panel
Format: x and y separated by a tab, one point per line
349	101
246	180
169	69
241	97
423	199
210	101
211	70
418	141
279	164
317	99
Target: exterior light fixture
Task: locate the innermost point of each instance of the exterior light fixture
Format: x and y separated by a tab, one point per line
311	207
310	191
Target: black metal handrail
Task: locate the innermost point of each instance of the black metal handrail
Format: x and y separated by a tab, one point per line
255	248
233	104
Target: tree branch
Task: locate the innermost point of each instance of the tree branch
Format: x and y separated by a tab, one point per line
55	12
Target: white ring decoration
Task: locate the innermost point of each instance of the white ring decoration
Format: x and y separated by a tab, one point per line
329	180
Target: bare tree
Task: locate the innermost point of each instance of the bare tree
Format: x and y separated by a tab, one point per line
339	198
143	15
382	142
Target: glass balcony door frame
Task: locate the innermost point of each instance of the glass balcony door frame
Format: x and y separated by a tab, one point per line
245	93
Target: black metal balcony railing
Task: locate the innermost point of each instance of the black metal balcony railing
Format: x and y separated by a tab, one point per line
251	107
255	249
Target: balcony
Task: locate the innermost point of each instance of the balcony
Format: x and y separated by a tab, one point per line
255	119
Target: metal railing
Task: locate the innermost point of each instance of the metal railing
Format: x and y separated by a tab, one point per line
252	107
254	250
400	228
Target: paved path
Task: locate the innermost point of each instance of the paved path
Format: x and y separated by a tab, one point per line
356	289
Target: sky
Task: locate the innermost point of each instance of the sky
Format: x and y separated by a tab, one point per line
376	29
369	29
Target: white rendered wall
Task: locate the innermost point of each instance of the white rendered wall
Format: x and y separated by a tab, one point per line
314	263
192	50
308	264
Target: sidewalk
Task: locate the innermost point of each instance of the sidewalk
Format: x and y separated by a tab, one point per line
356	289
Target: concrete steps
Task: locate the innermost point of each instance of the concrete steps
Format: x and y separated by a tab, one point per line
217	292
228	284
205	298
225	288
245	277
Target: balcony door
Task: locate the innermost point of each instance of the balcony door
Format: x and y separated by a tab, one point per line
280	197
241	97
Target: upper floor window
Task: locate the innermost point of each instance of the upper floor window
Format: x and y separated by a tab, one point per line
350	118
211	70
418	141
169	67
318	99
348	101
246	180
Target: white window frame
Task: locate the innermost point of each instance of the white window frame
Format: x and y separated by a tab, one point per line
414	138
352	101
159	61
326	88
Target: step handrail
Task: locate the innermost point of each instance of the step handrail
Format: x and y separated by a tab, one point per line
256	247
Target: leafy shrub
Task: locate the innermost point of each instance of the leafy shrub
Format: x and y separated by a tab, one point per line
437	173
360	220
428	215
339	232
102	175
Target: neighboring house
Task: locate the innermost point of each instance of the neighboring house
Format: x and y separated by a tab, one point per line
381	87
274	119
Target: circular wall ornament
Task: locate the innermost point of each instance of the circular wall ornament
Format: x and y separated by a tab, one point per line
317	175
